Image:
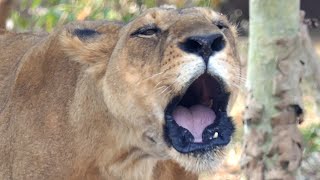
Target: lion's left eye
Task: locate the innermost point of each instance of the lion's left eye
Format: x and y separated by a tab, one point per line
146	31
220	25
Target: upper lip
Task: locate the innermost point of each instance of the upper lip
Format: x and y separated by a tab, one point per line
220	95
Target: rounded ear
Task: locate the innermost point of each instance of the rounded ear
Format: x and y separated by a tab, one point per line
90	42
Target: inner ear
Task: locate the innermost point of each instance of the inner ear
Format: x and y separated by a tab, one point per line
89	43
85	34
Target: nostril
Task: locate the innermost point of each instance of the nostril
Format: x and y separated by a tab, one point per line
191	46
204	46
218	44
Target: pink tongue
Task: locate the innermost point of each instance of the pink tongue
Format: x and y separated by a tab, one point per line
195	119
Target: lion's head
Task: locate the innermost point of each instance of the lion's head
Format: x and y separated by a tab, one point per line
167	77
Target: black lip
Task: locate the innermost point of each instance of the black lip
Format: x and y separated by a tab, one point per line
182	140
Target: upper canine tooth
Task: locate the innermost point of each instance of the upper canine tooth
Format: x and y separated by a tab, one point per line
215	135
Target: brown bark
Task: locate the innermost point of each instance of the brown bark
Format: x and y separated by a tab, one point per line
5	8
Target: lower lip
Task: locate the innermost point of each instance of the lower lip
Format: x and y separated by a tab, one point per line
183	141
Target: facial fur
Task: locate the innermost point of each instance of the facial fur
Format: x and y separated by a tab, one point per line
97	94
147	71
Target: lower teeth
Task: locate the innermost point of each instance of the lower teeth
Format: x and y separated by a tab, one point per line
210	103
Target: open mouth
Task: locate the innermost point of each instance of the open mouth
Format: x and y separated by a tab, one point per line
197	121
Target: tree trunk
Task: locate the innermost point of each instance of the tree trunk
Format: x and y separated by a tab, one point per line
312	73
272	142
5	7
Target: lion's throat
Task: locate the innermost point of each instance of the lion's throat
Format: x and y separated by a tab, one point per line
195	119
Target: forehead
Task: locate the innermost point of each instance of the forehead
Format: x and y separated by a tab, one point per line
165	17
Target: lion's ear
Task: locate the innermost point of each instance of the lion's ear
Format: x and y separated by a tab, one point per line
91	43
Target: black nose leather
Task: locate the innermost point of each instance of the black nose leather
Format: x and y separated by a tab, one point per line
204	46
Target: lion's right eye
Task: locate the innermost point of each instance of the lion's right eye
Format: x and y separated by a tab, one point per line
149	32
146	31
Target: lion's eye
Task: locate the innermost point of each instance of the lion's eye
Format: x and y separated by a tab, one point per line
146	31
149	32
220	25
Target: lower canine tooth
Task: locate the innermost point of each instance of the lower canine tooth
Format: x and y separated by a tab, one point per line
215	135
210	103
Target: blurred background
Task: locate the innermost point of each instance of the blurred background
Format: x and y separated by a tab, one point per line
39	15
47	14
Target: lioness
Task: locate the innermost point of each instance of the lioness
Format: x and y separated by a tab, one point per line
103	100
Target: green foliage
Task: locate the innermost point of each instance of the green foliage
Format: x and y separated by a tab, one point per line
39	14
211	3
47	14
311	135
149	3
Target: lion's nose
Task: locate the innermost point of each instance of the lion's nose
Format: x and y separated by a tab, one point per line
204	46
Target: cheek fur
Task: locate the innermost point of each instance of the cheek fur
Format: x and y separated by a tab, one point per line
142	49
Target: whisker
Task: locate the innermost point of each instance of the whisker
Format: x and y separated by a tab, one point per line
164	90
148	78
161	88
240	88
157	84
167	93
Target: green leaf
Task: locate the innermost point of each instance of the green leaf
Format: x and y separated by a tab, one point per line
35	4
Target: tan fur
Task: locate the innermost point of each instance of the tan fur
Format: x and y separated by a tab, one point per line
92	108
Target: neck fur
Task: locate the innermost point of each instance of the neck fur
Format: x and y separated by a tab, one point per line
104	151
